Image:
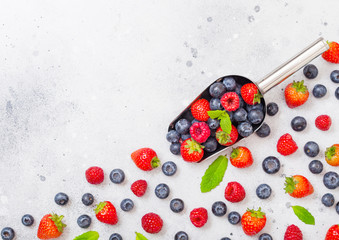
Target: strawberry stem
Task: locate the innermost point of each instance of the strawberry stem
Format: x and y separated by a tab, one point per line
256	213
290	184
99	207
330	152
155	162
58	221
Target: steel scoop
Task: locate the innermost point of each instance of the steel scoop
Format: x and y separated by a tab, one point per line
264	85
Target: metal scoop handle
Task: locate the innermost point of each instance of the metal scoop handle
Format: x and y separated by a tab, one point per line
291	66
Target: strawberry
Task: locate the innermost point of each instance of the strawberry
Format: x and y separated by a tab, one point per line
199	110
333	233
250	93
145	158
296	94
94	175
332	54
230	101
332	155
139	188
200	131
323	122
241	157
298	186
253	221
106	213
234	192
191	150
286	145
199	217
51	226
293	233
151	223
226	139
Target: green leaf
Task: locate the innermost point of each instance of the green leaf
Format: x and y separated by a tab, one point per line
91	235
215	113
140	236
214	174
304	215
226	124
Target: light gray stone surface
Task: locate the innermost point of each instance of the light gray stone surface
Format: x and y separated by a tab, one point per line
87	82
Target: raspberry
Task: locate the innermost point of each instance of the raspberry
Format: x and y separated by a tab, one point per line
293	233
95	175
323	122
200	131
234	192
151	223
286	145
139	188
230	101
199	217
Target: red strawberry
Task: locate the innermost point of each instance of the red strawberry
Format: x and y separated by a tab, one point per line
145	158
332	54
323	122
199	110
241	157
199	217
293	233
151	223
200	131
51	226
191	151
139	188
333	233
106	213
296	94
95	175
286	145
230	101
226	139
253	221
298	186
250	93
332	155
234	192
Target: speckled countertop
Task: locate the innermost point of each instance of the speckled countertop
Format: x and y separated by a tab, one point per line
85	83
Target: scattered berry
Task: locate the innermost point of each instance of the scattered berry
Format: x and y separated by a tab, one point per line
234	192
271	165
217	89
298	123
126	205
328	199
310	71
335	76
51	226
253	221
219	209
7	233
240	115
331	180
213	123
296	94
263	191
337	207
181	236
234	218
200	132
175	148
191	151
95	175
199	110
177	205
255	116
230	101
298	186
241	157
199	217
139	188
87	199
286	145
27	220
311	149
182	126
332	155
169	168
226	139
162	191
145	158
333	233
229	83
115	236
315	167
263	131
332	54
323	122
336	93
293	233
61	199
265	236
105	212
117	176
225	238
245	129
210	145
250	93
215	104
173	136
319	91
84	221
151	223
272	109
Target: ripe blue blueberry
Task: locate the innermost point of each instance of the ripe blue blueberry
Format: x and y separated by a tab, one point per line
61	199
336	93
7	233
311	149
181	236
87	199
175	148
310	71
162	191
84	221
245	129
331	180
234	217
182	126
337	207
229	83
271	165
117	176
298	123
265	236
264	130
115	236
240	115
169	168
185	136
319	91
213	123
173	136
272	108
225	238
255	116
177	205
219	209
194	121
210	145
335	76
217	90
315	167
238	89
126	205
263	191
258	106
27	220
215	104
328	200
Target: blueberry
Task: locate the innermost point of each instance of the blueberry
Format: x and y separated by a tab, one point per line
126	205
337	207
61	199
117	176
219	209
310	71
234	217
241	102
169	168
115	236
319	91
298	123
245	129
335	76
336	93
181	236
272	108
263	191
210	145
238	89
311	149
213	123
258	106
84	221
7	233
225	238
27	220
215	104
175	148
217	90
229	83
265	236
331	180
264	130
271	165
255	116
173	136
240	115
162	191
182	126
177	205
231	115
194	121
185	136
328	200
87	199
315	167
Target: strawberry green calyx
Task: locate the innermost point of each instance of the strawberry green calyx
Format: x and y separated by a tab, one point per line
290	184
299	86
330	152
193	146
223	137
58	221
257	97
256	213
235	153
99	207
155	162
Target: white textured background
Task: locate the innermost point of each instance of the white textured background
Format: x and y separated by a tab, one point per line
87	82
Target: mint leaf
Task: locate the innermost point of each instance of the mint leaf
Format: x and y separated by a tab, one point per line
304	215
215	113
140	236
91	235
225	123
214	174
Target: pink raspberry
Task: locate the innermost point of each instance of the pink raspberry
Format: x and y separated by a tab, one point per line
230	101
200	131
